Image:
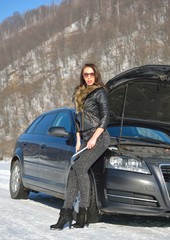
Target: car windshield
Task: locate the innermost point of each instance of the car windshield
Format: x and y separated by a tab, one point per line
134	132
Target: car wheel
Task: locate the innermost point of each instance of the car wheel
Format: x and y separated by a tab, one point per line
17	190
93	215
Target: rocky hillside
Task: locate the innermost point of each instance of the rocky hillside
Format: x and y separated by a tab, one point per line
43	51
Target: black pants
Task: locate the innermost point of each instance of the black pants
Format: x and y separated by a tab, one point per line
78	177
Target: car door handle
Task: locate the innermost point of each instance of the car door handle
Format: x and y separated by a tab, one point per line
42	145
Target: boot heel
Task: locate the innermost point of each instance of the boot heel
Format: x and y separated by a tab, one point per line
66	216
70	224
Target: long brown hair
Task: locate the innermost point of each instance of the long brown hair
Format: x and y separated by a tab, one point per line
82	90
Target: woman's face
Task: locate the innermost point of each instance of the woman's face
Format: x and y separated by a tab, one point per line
89	76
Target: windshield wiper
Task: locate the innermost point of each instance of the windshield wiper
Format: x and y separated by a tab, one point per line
149	140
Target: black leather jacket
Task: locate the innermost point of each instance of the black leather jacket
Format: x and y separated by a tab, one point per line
96	111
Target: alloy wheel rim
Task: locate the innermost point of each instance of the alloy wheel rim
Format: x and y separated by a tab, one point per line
16	176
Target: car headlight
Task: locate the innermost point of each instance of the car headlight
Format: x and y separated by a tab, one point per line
128	164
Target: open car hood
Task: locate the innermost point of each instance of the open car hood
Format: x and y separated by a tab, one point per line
141	96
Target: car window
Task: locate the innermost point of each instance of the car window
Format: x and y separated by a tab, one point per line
31	128
138	132
62	120
45	123
126	131
154	134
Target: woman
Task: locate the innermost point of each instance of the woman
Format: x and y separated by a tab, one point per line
92	118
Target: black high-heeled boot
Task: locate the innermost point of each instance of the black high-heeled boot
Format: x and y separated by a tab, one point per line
81	218
66	216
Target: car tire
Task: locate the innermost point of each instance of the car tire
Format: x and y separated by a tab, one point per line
17	190
93	215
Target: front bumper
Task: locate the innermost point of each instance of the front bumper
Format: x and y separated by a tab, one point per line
136	193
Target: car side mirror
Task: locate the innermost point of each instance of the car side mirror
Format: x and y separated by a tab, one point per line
58	132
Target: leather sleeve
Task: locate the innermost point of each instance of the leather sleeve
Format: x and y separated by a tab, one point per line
102	99
77	123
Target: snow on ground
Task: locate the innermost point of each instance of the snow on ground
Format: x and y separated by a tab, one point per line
30	220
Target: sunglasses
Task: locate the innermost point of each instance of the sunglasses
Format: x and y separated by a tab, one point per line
88	74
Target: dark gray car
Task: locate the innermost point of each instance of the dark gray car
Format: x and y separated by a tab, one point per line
133	175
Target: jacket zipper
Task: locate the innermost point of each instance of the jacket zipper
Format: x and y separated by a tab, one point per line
83	119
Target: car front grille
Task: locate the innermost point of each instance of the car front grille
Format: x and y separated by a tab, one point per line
166	172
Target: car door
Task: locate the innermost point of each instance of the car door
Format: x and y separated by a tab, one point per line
30	142
55	154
